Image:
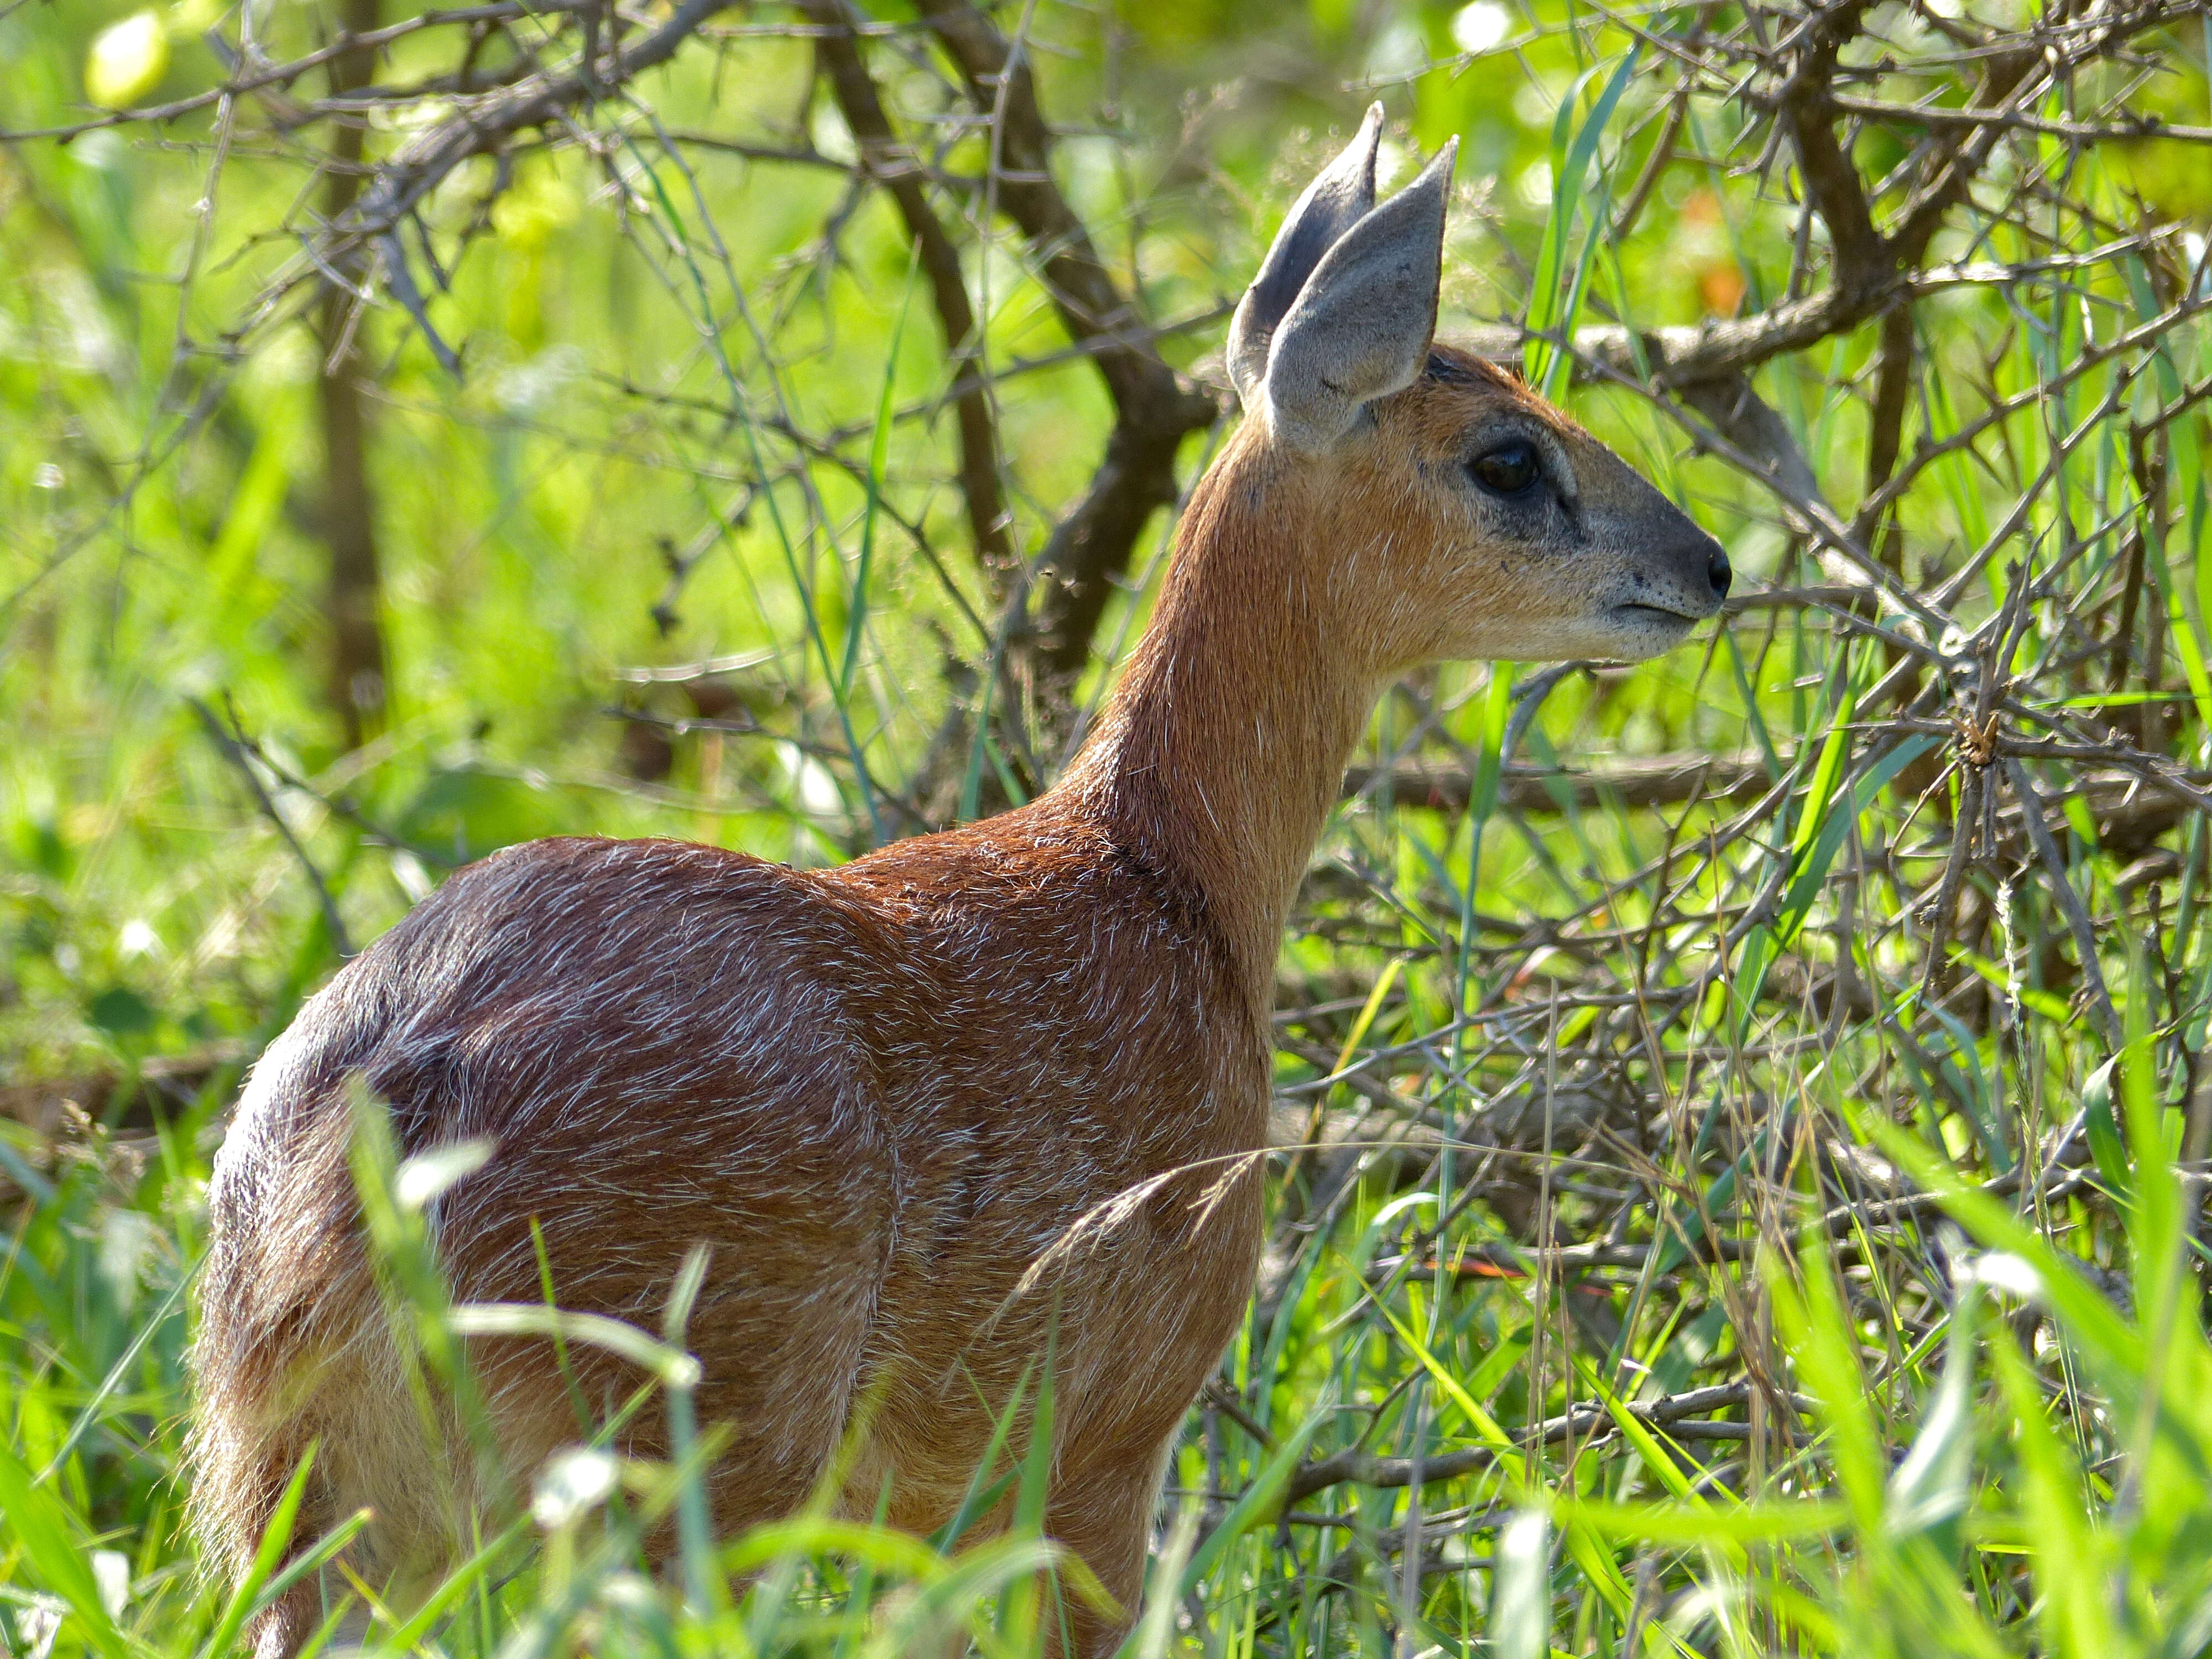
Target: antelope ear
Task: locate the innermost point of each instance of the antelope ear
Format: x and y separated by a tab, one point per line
1364	322
1341	195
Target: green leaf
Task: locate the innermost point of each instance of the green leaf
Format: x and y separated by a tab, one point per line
2074	1608
1816	1329
48	1536
1704	1523
1929	1490
1552	305
121	1012
127	60
1521	1620
878	462
2103	1130
1820	831
1258	1502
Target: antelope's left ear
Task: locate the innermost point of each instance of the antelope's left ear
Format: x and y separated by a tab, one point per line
1340	196
1363	321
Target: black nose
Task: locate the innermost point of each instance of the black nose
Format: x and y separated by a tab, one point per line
1717	573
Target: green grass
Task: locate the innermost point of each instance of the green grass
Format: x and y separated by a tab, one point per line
1769	1266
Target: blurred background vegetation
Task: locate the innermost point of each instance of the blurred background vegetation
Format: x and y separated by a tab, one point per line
1743	1121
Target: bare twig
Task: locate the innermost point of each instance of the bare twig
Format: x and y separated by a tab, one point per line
233	746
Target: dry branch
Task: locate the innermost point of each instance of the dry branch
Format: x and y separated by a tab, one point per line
1637	782
1680	1416
893	165
1155	409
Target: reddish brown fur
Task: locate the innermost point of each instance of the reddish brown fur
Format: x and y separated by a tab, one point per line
882	1093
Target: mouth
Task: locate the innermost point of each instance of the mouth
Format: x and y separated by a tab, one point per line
1650	614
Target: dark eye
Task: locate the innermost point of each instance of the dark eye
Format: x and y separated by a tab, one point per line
1507	470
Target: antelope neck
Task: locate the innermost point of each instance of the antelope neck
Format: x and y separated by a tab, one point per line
1222	751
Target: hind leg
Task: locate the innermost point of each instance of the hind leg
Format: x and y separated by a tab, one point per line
372	1452
285	1628
775	1403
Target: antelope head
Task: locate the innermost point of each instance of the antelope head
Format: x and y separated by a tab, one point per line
1460	513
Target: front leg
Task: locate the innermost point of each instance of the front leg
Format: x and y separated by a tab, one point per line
1102	1511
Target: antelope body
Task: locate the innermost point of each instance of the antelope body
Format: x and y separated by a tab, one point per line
882	1094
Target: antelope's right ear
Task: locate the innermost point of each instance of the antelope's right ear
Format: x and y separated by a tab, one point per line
1364	312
